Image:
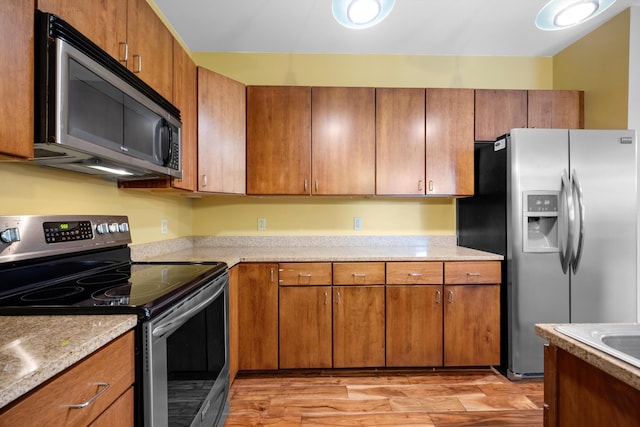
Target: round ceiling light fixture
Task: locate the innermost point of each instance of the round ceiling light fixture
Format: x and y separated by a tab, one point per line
358	14
561	14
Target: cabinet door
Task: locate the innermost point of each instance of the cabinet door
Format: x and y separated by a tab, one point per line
221	133
278	140
258	316
562	109
499	111
414	325
471	325
449	142
400	141
16	79
104	22
358	326
185	98
305	327
150	47
343	134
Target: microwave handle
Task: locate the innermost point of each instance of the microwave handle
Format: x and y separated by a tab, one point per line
166	145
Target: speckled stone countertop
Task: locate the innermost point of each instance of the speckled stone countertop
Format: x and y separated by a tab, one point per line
233	250
33	349
615	367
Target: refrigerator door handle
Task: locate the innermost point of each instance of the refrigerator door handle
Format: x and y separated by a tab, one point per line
577	189
566	191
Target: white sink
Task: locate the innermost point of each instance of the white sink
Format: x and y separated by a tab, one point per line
618	340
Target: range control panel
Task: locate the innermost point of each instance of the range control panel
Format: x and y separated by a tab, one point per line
34	236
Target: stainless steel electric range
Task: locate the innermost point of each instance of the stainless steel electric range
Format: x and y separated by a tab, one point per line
78	264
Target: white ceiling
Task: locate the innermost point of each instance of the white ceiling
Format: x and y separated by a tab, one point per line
422	27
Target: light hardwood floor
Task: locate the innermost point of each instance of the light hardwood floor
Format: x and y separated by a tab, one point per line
438	398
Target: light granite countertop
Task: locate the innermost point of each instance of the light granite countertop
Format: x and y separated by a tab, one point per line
310	249
613	366
33	349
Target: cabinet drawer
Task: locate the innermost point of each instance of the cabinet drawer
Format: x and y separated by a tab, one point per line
49	404
472	272
419	273
304	273
358	273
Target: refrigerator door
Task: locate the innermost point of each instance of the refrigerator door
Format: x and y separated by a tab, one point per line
604	166
537	288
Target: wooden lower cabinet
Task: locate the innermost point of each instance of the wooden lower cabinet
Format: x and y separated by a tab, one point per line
414	325
472	313
471	325
305	327
577	393
258	316
367	314
358	326
48	405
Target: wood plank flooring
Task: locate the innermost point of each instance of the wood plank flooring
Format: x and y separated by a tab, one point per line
438	398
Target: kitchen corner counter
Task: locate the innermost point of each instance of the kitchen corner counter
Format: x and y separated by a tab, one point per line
34	349
613	366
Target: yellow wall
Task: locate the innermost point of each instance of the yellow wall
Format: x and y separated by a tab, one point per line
599	64
317	216
32	190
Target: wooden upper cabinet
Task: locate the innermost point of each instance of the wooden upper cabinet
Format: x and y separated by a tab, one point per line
104	22
449	142
278	140
185	98
556	109
400	141
343	134
221	133
499	111
16	79
150	47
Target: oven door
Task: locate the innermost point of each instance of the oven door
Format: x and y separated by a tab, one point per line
185	368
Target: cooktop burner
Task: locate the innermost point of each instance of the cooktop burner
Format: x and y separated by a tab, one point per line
141	288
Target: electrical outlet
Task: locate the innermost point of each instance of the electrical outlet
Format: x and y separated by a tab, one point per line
164	226
262	224
357	223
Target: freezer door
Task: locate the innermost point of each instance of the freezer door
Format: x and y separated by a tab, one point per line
537	288
604	165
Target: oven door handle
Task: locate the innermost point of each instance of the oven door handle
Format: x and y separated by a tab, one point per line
177	322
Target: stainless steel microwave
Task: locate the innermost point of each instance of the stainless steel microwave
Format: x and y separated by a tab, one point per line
95	116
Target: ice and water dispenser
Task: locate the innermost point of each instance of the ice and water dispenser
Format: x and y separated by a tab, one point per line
540	221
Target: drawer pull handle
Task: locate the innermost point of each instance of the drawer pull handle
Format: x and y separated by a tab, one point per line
359	275
304	274
105	387
415	274
473	274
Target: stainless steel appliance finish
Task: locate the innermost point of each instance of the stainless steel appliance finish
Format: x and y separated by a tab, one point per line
93	115
563	211
79	264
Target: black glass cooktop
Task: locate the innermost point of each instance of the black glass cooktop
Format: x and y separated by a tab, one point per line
101	286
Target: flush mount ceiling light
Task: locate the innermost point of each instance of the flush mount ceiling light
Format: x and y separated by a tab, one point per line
358	14
561	14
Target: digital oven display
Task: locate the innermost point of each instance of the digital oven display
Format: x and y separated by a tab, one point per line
56	232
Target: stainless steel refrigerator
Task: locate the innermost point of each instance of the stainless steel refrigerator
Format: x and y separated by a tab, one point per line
562	207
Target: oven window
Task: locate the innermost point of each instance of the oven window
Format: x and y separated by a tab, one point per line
195	357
